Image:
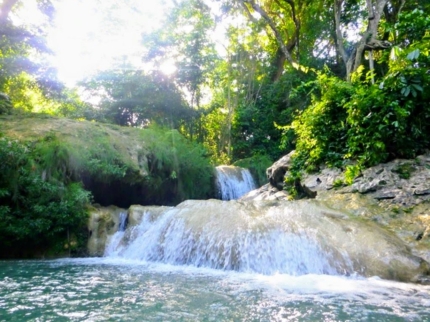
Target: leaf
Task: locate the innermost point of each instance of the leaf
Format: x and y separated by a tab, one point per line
413	54
405	91
417	87
395	52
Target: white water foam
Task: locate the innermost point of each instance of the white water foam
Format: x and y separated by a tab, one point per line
233	182
98	289
284	287
112	245
253	246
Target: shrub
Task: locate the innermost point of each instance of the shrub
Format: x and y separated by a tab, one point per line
38	211
178	169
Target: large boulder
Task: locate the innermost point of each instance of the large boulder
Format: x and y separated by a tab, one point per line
102	223
119	165
277	171
395	195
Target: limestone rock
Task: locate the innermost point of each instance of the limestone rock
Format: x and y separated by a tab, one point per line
277	171
102	223
324	180
266	192
395	195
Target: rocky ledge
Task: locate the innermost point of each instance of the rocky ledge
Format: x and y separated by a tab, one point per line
395	195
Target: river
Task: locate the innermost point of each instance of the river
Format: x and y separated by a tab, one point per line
114	289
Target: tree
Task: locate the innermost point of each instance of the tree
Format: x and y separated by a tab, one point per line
135	98
28	83
5	9
369	40
185	41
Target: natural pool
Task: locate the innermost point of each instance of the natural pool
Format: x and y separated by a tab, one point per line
113	289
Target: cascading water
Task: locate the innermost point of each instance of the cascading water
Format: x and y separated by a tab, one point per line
216	248
233	182
252	246
292	238
123	220
116	238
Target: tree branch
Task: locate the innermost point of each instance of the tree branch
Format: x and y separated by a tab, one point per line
272	26
339	36
370	36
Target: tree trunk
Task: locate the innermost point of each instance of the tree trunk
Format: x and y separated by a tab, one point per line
279	65
285	46
368	41
272	26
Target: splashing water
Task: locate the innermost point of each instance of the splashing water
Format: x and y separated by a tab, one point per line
293	238
251	247
123	220
115	240
233	182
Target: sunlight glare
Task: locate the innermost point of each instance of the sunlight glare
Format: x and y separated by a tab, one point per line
91	36
28	14
168	67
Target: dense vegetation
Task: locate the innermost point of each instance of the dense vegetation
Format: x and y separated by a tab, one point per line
46	176
345	83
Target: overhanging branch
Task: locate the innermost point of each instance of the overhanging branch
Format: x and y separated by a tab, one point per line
272	26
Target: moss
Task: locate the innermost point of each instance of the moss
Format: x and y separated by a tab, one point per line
120	165
404	170
338	183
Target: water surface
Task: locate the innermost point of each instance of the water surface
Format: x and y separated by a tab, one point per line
106	289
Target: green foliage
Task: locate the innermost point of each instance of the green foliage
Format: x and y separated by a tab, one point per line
131	98
101	160
62	160
338	183
291	182
255	128
257	165
178	169
216	135
25	76
38	212
5	104
185	39
321	128
371	123
351	172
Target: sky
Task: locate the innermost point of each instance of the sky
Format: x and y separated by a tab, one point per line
92	35
88	36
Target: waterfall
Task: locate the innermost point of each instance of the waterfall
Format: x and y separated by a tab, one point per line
117	237
229	236
233	182
123	219
265	237
250	247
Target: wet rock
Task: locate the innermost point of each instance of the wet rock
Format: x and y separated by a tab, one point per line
386	194
102	222
394	195
335	241
422	190
266	192
277	171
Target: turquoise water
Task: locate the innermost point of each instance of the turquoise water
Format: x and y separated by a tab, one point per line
103	289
